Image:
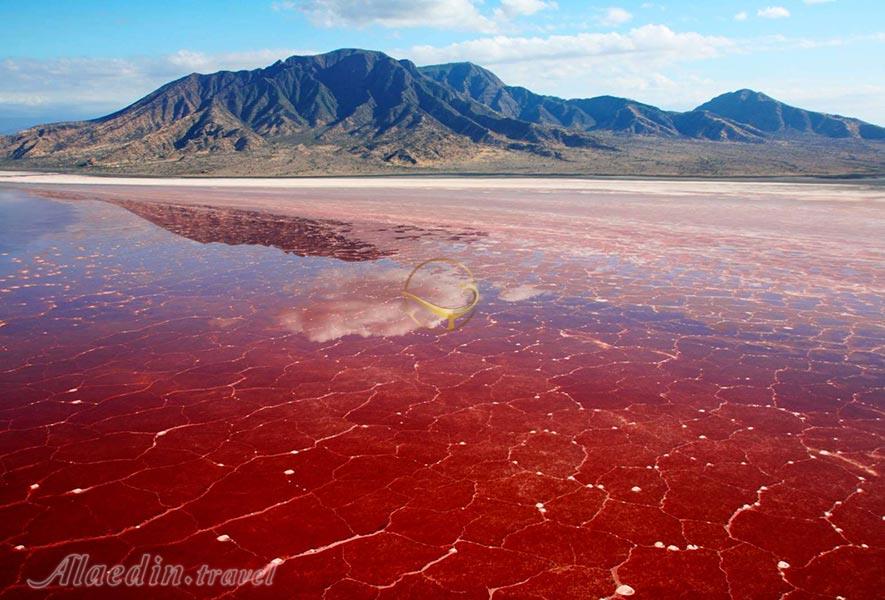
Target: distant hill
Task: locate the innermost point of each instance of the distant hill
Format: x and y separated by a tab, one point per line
772	117
363	111
603	113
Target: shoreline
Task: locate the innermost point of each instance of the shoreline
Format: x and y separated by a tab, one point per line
845	179
842	190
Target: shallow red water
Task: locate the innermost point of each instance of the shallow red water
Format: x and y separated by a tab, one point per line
678	398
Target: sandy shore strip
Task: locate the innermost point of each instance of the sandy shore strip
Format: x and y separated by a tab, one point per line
839	191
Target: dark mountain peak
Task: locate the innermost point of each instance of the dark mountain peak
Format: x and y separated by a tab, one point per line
474	82
746	94
774	117
328	59
607	99
459	74
742	97
347	64
613	103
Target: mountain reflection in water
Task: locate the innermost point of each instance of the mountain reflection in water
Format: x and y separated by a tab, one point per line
295	235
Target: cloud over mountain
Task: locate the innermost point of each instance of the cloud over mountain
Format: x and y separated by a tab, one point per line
649	42
458	14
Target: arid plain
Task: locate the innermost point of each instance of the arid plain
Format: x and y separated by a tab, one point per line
668	389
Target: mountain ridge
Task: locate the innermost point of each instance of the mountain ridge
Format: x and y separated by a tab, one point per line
353	107
630	116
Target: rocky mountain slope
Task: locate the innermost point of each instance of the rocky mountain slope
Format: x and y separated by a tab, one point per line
353	110
743	115
772	117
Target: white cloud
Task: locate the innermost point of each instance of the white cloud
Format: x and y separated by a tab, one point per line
650	42
614	16
510	9
773	12
741	16
447	14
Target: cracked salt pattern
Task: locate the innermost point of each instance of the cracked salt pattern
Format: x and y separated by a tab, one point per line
656	399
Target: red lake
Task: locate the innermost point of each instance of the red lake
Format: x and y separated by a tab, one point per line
672	393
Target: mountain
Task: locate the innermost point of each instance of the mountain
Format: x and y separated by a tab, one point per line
772	117
363	100
362	111
744	115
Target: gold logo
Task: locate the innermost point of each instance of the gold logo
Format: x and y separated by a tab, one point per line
450	313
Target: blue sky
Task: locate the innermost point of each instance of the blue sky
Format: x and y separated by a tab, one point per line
63	59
